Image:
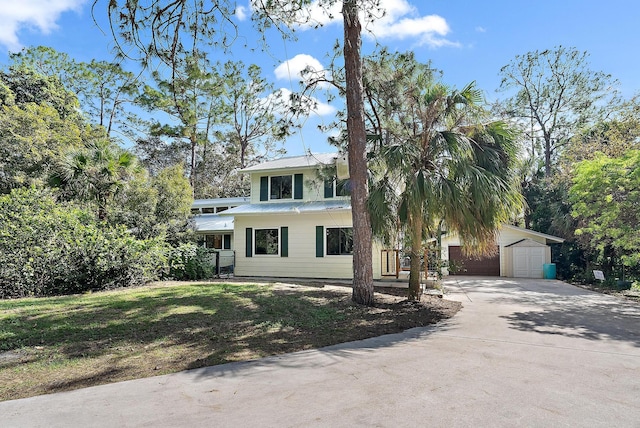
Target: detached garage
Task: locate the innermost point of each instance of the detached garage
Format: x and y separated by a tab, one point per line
521	253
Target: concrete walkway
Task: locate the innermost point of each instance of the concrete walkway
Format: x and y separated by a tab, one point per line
519	353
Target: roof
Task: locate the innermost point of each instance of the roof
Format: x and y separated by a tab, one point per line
553	239
526	243
305	161
219	202
290	208
213	223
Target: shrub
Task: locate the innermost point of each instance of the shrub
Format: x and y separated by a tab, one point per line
47	248
190	262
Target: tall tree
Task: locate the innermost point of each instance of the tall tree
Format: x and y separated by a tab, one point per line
37	124
605	197
103	88
170	30
357	136
192	98
556	94
449	166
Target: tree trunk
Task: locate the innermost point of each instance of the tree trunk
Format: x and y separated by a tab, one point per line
362	245
415	229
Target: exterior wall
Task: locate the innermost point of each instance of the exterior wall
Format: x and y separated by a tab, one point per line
313	186
301	261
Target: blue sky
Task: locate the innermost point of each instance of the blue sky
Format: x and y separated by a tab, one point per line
467	40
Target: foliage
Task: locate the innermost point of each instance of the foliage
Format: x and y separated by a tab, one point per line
95	173
191	262
155	206
605	195
48	248
102	88
223	118
37	124
556	94
449	167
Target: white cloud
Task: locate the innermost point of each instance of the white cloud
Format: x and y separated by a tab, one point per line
293	68
242	13
480	29
32	14
400	20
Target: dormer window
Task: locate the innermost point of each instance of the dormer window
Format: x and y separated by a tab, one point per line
281	187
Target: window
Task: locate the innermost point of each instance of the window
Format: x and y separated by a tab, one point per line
208	210
266	242
334	188
281	187
195	211
220	209
339	241
218	242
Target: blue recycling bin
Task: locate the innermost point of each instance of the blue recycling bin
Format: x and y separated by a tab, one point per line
549	270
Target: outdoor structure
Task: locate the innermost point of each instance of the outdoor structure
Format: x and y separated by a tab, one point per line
520	253
298	223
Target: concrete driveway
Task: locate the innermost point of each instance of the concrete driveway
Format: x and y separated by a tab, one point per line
519	353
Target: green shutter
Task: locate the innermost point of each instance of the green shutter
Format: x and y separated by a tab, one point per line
249	242
297	186
227	242
319	241
264	188
328	188
284	242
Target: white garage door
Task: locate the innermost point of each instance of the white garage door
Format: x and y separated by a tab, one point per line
528	261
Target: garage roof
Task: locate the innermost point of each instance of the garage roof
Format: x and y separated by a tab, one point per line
550	239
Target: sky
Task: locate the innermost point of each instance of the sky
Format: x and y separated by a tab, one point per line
466	40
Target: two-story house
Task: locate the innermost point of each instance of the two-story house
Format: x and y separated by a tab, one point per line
297	224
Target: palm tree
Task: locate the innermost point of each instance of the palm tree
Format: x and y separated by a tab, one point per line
96	173
450	169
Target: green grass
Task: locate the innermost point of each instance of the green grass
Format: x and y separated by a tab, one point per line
61	343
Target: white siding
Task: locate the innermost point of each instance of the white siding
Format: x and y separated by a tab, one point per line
302	261
312	186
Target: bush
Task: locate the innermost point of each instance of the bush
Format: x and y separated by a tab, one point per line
47	248
191	262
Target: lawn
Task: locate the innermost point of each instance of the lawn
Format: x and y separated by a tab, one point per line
61	343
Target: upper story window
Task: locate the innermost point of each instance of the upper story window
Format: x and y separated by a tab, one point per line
276	187
281	187
334	187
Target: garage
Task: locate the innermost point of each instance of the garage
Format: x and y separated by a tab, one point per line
520	253
528	258
484	266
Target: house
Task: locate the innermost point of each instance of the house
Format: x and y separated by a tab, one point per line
297	224
213	230
520	253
